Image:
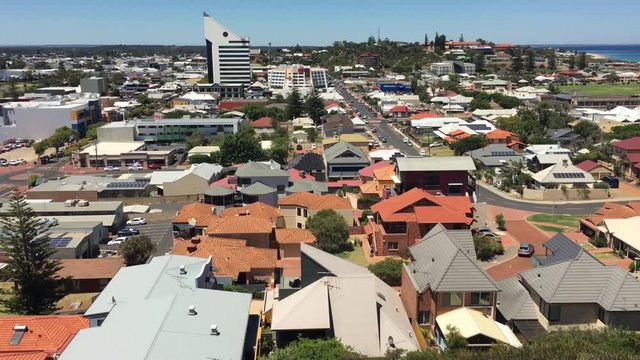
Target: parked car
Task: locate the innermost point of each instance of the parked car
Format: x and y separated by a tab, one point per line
383	139
111	168
526	250
137	221
16	162
405	140
374	130
3	162
128	232
135	167
613	182
486	232
154	166
435	144
314	146
117	241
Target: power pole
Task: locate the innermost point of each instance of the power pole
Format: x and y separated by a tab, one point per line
378	34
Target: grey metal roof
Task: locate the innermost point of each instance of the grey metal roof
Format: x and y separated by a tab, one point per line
61	207
445	262
585	280
161	328
514	301
561	249
333	264
218	190
307	162
335	154
436	163
315	187
257	188
258	169
495	155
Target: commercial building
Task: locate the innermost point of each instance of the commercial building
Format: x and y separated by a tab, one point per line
228	60
298	76
452	67
93	85
39	119
89	187
369	59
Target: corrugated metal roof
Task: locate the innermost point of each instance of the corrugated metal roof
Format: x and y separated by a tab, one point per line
438	163
334	153
514	301
333	264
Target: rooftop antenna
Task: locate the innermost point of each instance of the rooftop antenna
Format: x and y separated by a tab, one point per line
378	34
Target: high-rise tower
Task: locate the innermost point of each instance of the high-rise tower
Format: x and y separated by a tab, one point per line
228	63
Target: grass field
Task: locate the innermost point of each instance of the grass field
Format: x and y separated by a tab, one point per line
550	228
356	256
604	89
606	256
562	220
440	151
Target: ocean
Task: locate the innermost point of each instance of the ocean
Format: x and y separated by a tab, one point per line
613	52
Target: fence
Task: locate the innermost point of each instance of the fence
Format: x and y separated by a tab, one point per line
566	194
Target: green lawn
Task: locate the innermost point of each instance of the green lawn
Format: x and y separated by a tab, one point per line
356	256
550	228
604	89
559	219
606	256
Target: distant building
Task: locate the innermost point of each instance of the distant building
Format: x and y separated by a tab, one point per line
228	60
369	59
452	67
94	85
298	76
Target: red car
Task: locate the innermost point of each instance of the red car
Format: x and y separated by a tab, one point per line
154	166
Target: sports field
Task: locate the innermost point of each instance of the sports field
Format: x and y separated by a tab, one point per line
604	89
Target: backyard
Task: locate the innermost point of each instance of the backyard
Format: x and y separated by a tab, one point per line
356	256
604	89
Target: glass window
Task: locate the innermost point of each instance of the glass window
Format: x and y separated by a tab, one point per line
299	212
299	225
481	299
451	299
306	213
392	245
554	312
424	317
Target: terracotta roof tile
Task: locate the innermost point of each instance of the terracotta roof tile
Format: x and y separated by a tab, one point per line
27	356
102	268
257	209
263	122
385	173
423	115
628	144
202	213
398	208
294	175
229	260
315	202
399	109
587	165
294	236
368	171
498	134
48	334
245	224
371	188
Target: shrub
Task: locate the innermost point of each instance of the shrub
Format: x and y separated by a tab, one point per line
599	241
487	248
500	221
601	185
632	266
388	270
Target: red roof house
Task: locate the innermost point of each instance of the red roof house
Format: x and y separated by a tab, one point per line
399	111
627	151
401	221
423	115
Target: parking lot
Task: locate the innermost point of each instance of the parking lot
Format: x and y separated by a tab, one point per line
159	231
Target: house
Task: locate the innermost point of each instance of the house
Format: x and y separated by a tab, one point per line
341	300
192	219
443	278
263	125
384	177
221	195
87	275
269	174
192	181
152	307
579	291
303	123
357	140
309	163
448	175
290	240
38	337
495	155
259	192
546	149
399	111
337	124
344	160
590	225
597	170
401	221
627	152
333	107
384	154
622	234
235	262
539	162
564	136
563	175
298	208
257	231
516	308
310	186
258	210
499	136
478	330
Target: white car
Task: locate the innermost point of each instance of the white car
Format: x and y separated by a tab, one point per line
435	144
135	167
313	146
117	241
15	162
111	168
137	221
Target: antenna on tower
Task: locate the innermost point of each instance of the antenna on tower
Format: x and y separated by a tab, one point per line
269	52
378	34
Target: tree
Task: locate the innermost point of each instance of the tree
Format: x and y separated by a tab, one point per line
480	103
582	60
588	130
516	63
371	40
478	60
294	105
62	136
455	340
461	39
137	250
470	143
314	349
388	270
13	91
30	267
314	107
572	62
331	231
197	139
500	221
280	146
92	131
241	148
312	134
254	111
531	61
32	180
551	60
40	147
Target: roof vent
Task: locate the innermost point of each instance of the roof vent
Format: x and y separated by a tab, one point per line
183	270
192	310
433	260
214	330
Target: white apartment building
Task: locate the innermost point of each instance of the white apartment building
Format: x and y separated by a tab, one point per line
299	76
452	67
228	62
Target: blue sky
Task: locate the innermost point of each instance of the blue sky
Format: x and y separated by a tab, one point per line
318	22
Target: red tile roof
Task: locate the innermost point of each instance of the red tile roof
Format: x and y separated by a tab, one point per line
101	268
633	158
245	224
294	236
225	182
368	171
27	356
48	334
341	183
263	122
499	134
399	109
256	209
294	175
408	207
201	213
315	202
587	165
423	115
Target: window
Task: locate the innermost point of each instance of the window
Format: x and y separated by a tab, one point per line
432	179
424	317
481	299
299	212
392	245
455	188
451	299
306	213
280	189
299	225
554	312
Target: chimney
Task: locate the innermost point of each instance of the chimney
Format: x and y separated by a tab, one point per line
192	310
183	270
191	248
214	330
195	240
565	162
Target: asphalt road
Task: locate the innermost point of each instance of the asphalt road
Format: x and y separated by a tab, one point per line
355	103
565	208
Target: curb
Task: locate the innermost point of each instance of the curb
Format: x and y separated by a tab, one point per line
563	202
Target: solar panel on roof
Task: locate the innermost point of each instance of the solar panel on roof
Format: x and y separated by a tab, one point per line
127	185
60	241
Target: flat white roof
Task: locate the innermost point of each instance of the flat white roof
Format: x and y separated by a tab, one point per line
112	148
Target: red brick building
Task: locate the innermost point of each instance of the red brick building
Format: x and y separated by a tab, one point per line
401	221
